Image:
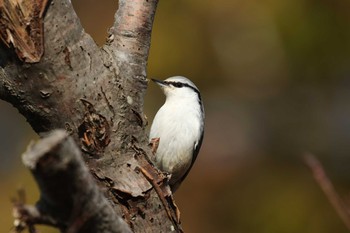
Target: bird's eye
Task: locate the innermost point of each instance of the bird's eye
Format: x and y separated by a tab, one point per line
175	84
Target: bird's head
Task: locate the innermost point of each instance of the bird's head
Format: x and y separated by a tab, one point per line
179	87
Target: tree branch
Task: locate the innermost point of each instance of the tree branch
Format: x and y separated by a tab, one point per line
70	199
96	94
128	45
327	187
65	72
132	31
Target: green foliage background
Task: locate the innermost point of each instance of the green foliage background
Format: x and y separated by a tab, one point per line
275	79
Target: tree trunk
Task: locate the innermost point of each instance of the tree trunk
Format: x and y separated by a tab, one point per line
57	77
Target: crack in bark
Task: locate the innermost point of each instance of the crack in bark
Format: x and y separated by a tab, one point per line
110	107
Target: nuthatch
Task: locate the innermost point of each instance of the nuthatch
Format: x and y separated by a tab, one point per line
179	126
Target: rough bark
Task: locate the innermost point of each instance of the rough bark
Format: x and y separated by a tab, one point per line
74	206
96	94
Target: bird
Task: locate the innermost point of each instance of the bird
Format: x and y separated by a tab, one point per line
179	127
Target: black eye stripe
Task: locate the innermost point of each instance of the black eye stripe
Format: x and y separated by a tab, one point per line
179	85
176	84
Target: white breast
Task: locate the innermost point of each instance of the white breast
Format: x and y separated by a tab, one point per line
178	127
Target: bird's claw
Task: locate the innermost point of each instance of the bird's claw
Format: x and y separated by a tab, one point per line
154	143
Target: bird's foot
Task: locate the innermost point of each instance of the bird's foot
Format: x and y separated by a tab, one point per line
154	143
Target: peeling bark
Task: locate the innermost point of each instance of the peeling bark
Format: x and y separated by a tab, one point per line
97	94
21	26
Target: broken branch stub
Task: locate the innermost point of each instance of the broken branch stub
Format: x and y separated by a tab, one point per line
69	194
21	26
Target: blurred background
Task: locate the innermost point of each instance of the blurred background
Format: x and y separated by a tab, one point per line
275	79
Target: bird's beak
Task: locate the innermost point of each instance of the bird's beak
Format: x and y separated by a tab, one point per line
159	82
